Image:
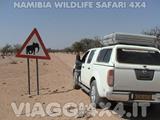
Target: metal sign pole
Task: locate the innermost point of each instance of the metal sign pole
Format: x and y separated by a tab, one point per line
28	66
37	76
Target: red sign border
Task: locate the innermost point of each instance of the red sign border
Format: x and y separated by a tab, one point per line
35	31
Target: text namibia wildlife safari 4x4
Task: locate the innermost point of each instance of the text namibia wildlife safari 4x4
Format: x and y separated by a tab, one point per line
79	5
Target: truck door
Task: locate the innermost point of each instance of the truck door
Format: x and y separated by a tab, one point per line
86	71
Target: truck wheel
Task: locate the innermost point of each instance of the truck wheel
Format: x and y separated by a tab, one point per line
75	81
96	101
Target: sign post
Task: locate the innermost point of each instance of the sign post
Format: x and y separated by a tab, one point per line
29	88
33	48
37	76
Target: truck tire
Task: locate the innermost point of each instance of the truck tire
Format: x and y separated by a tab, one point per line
75	81
95	99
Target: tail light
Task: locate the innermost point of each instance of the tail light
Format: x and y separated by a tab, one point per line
110	78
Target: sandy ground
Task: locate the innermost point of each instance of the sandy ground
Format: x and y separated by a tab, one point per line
55	87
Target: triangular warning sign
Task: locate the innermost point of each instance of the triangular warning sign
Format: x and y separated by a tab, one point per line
33	47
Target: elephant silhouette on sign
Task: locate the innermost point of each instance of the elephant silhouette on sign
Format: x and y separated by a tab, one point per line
31	49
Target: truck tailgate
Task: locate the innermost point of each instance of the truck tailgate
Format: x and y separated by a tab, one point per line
137	78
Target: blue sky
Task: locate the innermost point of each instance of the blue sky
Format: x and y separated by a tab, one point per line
59	28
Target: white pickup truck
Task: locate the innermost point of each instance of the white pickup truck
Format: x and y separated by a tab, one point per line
120	72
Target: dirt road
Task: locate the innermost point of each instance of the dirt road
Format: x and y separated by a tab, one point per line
55	87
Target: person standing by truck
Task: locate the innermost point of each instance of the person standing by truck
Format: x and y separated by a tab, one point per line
77	72
78	64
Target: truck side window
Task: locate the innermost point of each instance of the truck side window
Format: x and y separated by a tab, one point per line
90	56
104	55
84	57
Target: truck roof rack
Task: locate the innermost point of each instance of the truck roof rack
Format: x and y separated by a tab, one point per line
128	39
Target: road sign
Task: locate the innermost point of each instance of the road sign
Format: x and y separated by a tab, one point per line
33	47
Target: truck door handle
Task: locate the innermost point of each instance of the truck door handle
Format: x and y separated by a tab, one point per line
82	66
88	68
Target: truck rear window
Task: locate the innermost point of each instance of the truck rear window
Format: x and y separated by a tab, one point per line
144	57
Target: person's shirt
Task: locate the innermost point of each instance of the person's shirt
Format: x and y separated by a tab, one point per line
78	64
